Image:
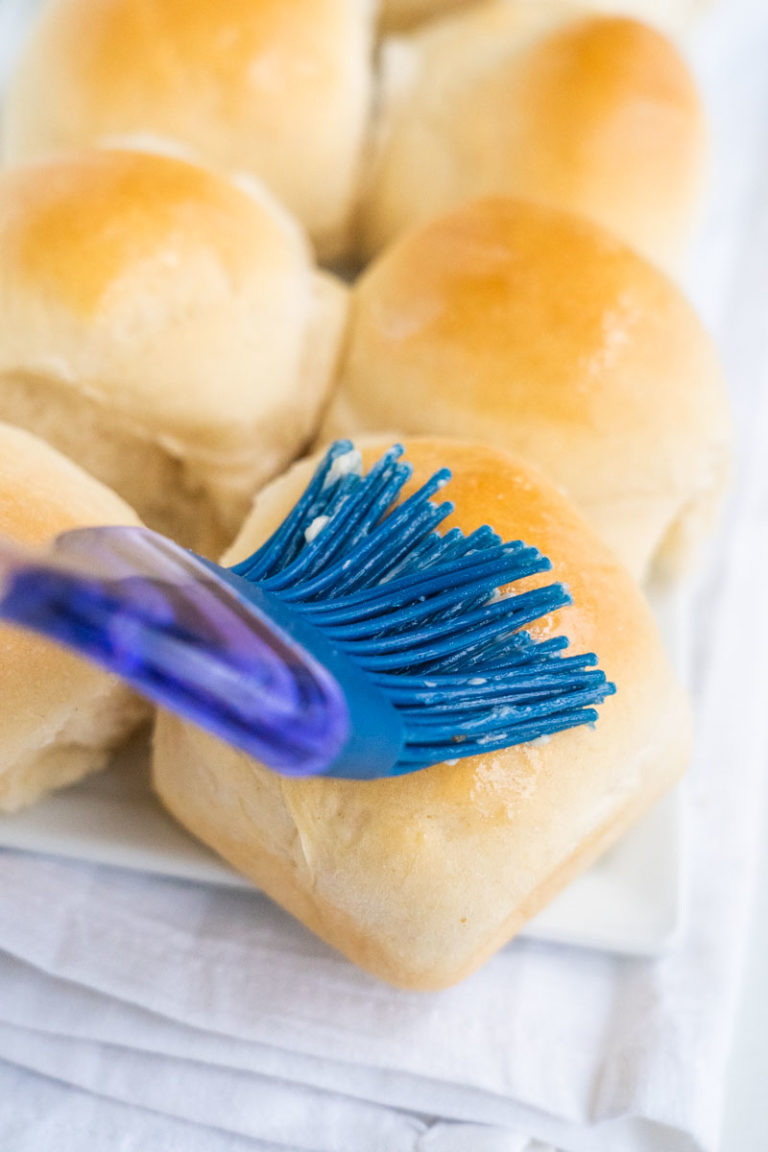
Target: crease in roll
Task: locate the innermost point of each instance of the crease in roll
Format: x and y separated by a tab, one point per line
671	15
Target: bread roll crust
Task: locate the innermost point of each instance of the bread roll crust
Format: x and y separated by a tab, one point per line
278	89
419	878
540	333
59	717
173	317
595	114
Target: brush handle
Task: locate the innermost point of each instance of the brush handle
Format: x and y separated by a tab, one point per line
159	618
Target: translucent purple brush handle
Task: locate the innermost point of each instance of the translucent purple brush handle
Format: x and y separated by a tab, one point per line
145	609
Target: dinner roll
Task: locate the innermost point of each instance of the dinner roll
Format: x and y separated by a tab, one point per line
420	878
670	14
538	332
165	329
59	717
278	89
595	114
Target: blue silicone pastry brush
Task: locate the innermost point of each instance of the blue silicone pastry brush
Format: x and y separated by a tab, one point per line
358	641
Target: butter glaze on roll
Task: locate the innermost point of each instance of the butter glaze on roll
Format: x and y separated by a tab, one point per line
540	333
277	89
420	878
598	115
165	329
59	717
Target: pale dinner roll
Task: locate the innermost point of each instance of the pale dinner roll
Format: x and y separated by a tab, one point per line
538	332
165	329
595	114
59	717
420	879
278	89
670	14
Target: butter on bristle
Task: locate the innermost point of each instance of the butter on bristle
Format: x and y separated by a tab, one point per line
348	463
315	528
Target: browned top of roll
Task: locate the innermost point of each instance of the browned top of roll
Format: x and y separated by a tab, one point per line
541	333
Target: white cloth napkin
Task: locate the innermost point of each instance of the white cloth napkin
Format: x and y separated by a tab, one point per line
138	1013
210	1006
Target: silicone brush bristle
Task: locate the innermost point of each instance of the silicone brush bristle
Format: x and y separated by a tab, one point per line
422	614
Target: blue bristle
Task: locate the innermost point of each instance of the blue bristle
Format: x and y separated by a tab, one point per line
420	613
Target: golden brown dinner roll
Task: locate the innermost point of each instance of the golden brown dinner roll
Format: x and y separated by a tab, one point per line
670	14
165	329
278	89
59	717
540	333
420	878
595	114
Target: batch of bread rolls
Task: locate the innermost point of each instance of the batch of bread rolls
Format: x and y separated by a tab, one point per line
513	183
